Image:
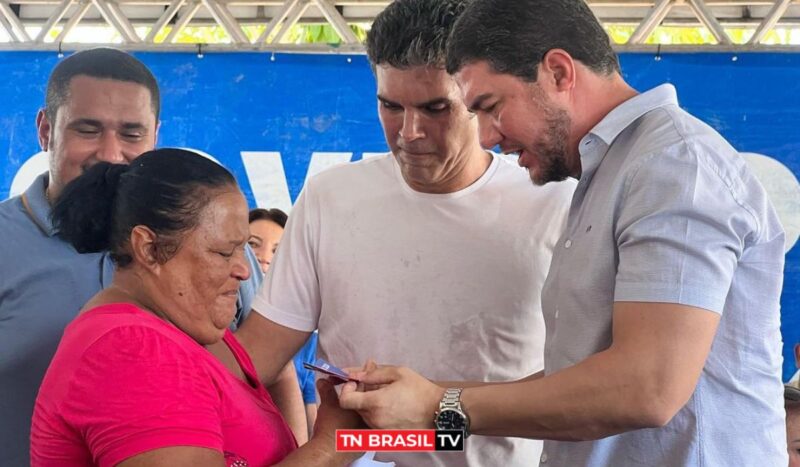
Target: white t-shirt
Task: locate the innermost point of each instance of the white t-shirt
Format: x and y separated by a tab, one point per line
447	284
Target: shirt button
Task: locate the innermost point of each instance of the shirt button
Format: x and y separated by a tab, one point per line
568	244
543	459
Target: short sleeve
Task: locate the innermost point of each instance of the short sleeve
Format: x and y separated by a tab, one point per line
137	390
290	295
680	232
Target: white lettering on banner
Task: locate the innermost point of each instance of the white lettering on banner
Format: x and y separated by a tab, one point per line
367	155
324	160
30	169
267	178
783	190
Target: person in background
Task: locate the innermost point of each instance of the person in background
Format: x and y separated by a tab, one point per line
132	383
266	230
795	379
791	397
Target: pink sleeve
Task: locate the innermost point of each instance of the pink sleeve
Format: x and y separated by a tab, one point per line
137	390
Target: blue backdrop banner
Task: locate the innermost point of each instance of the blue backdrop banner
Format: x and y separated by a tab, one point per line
275	119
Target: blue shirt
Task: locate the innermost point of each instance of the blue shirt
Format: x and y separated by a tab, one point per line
44	284
306	378
667	211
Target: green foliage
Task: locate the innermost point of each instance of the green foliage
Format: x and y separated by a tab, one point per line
325	34
670	35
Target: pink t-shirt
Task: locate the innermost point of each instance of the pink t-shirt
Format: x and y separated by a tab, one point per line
124	382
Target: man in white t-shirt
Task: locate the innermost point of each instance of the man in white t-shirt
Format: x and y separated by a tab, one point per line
432	256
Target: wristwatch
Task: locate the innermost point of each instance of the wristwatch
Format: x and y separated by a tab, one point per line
451	415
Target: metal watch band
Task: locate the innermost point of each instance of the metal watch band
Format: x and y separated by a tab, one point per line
451	399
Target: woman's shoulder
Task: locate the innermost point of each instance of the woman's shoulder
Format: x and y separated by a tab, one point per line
125	334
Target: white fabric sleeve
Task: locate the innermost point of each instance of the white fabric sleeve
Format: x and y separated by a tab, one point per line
680	232
290	295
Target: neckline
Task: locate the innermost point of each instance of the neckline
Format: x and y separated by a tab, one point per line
476	185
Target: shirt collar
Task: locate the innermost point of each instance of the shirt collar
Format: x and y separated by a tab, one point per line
39	207
629	111
594	145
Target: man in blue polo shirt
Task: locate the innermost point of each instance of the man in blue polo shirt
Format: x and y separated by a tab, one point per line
101	105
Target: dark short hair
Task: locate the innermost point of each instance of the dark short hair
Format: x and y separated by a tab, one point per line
163	189
101	63
273	215
412	33
513	36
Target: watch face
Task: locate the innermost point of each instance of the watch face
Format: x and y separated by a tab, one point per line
449	419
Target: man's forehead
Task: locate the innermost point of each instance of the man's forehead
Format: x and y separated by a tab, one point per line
88	96
472	75
417	83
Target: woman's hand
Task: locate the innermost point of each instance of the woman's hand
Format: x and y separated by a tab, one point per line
330	416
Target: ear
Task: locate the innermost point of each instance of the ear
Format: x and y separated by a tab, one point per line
43	129
143	248
558	70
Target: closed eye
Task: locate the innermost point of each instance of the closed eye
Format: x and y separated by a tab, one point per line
489	108
390	106
437	107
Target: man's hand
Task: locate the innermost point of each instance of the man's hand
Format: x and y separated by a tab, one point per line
404	400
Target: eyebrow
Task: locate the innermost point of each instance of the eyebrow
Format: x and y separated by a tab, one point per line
432	102
256	237
478	101
98	123
133	126
84	121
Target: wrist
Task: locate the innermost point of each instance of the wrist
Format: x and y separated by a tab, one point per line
437	395
324	451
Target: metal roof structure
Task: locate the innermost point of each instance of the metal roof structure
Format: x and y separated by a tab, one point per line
253	25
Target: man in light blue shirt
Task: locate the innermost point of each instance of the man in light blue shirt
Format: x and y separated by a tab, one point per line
661	305
101	105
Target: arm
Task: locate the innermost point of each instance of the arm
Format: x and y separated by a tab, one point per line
475	384
320	451
270	346
641	381
290	291
644	378
285	392
177	456
311	416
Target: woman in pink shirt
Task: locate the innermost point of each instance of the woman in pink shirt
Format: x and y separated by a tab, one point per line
132	383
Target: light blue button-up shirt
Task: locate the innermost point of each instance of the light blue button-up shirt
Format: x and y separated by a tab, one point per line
43	284
666	211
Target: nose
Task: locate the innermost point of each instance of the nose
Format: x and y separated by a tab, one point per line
240	268
110	149
412	126
488	133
